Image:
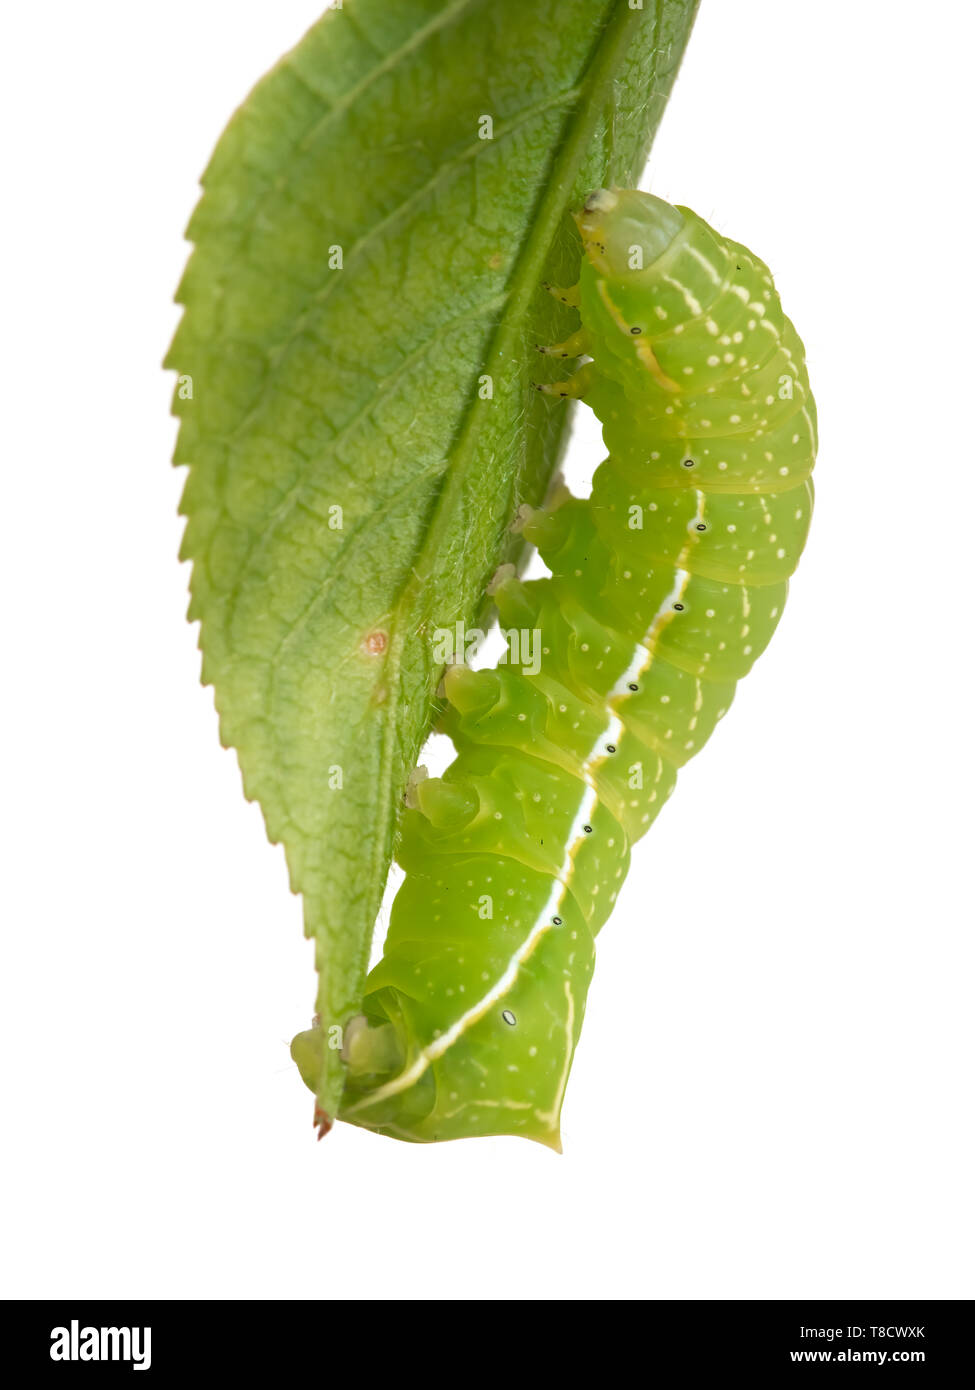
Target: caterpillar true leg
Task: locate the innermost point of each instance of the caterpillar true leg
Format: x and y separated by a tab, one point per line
576	345
568	296
573	388
666	585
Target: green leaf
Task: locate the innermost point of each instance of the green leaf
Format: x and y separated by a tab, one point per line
355	395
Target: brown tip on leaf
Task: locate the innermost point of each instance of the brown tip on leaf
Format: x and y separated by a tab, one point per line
323	1121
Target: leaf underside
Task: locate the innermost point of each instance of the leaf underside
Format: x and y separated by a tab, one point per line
355	369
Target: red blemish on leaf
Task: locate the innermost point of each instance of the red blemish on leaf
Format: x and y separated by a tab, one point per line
376	643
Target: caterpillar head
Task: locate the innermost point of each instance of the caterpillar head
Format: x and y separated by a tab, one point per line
624	230
627	236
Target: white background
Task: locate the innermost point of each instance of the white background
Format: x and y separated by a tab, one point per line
773	1094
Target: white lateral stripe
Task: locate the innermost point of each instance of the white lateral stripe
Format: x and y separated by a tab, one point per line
611	733
543	924
712	272
690	300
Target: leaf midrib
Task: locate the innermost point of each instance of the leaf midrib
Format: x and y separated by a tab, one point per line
523	286
531	261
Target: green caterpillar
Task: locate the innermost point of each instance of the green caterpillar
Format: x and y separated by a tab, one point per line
665	587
